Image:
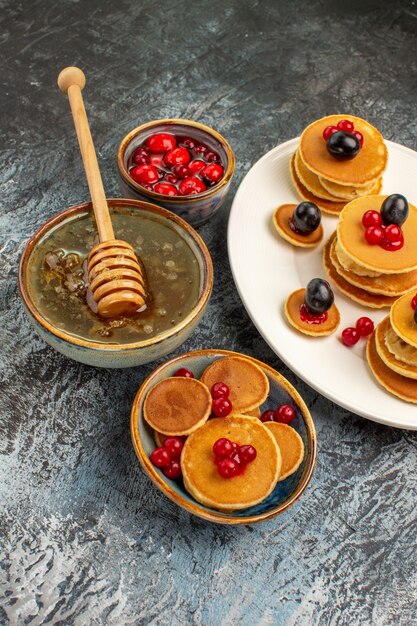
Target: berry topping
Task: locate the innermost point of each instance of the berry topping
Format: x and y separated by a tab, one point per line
181	171
223	448
195	166
213	172
393	233
144	174
328	131
364	326
306	218
358	136
228	468
140	156
374	235
350	336
414	302
285	414
394	209
343	145
219	390
174	445
191	185
268	416
184	371
160	143
221	407
371	218
247	454
160	457
312	318
173	470
319	296
177	156
346	125
166	188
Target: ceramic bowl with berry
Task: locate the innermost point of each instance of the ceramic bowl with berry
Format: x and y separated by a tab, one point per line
207	450
182	165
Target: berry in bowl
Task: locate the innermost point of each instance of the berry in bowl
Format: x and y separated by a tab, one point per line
182	165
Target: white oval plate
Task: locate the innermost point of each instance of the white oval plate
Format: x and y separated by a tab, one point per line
266	269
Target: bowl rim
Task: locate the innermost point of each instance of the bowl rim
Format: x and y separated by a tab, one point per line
175	199
194	507
114	203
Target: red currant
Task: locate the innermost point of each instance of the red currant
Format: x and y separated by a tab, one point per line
174	445
140	156
285	414
181	171
144	174
364	326
228	468
223	448
220	390
160	142
328	132
173	470
160	457
414	302
268	416
188	142
393	233
346	125
200	149
221	407
177	156
213	172
350	336
184	371
195	166
191	185
371	218
247	454
358	136
166	189
170	178
211	156
374	235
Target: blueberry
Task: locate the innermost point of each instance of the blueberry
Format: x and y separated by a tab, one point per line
306	217
318	297
394	209
343	145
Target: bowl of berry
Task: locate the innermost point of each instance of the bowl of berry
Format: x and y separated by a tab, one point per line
182	165
224	436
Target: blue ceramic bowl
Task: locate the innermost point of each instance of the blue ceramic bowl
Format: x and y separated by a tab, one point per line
195	209
281	392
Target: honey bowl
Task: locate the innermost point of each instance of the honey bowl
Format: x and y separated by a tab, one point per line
199	205
286	492
52	282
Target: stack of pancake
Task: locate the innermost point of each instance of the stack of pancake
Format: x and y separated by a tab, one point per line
371	275
330	183
392	350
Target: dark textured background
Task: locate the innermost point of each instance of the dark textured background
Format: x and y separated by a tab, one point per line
87	538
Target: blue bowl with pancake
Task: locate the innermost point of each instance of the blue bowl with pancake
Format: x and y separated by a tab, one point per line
285	493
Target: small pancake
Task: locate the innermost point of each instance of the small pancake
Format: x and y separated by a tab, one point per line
393	285
202	479
254	412
248	385
399	349
160	438
349	264
390	361
292	312
366	166
177	405
400	386
346	192
402	319
311	181
351	237
291	447
333	208
373	300
281	221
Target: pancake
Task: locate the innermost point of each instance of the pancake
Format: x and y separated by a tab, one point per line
281	221
373	300
333	208
249	386
365	167
393	285
398	348
351	238
254	412
400	386
346	192
349	264
291	447
390	361
402	319
177	406
292	313
311	181
202	479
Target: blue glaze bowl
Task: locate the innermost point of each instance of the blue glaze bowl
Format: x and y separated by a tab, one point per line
285	494
113	355
194	209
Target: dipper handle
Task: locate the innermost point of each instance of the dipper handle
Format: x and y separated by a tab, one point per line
71	81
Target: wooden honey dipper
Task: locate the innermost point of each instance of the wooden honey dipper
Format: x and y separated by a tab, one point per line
115	275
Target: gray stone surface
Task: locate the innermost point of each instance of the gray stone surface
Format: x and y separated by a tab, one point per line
85	537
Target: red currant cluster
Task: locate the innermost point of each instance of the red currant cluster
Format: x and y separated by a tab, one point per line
285	414
167	457
345	125
388	236
175	166
231	458
351	335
